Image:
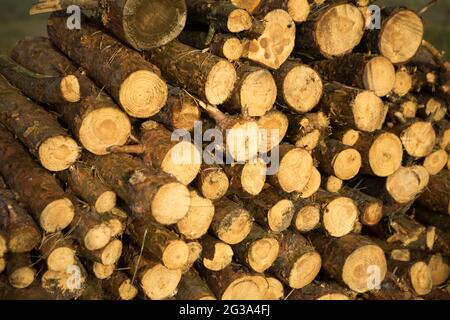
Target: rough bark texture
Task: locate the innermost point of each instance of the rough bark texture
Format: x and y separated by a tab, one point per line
193	287
437	194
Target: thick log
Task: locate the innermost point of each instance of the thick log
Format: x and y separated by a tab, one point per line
294	170
338	159
38	190
258	250
370	208
119	286
352	260
141	24
436	161
223	45
160	149
37	129
39	87
270	209
299	86
398	47
236	282
414	274
207	76
58	251
308	130
276	43
96	121
159	242
18	229
317	37
216	255
254	93
180	112
231	222
307	215
192	287
83	181
212	182
147	191
20	271
273	127
157	281
437	195
247	180
367	112
297	264
133	83
198	219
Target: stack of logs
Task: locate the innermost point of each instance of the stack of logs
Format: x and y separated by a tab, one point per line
95	205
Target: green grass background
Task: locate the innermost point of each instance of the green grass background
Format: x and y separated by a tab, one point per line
15	23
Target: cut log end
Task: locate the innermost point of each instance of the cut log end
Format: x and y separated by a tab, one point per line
273	126
253	177
97	237
112	252
350	137
57	215
103	271
144	29
239	20
372	214
295	170
334	184
420	277
435	109
160	282
308	218
280	215
237	228
22	278
176	254
340	216
233	49
379	76
339	30
58	153
246	288
305	270
276	290
436	161
258	93
183	162
419	139
171	203
404	184
361	264
299	10
3	245
440	270
127	291
143	94
302	88
313	184
23	241
249	5
347	163
198	219
70	89
2	265
61	258
403	83
263	253
220	82
215	185
401	36
104	128
385	154
369	111
242	140
223	255
106	202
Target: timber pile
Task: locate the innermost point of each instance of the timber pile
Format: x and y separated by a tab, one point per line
95	205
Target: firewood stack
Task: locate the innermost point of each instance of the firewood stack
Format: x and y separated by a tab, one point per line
95	205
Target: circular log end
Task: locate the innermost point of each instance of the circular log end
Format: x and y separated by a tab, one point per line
214	185
379	76
276	290
340	216
171	203
273	126
436	161
246	288
176	254
22	277
440	270
334	184
299	10
58	153
198	219
112	252
295	170
419	139
305	270
253	176
404	184
347	163
420	277
57	215
103	271
223	255
362	264
242	140
127	291
183	161
401	36
61	258
280	215
235	228
308	218
105	202
239	20
220	82
70	89
24	240
104	128
339	29
262	254
97	237
143	94
372	214
369	111
233	49
313	184
403	83
258	93
350	137
160	282
385	154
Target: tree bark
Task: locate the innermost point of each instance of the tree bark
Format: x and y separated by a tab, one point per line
437	194
192	287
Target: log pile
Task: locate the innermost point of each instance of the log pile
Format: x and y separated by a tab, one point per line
329	177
